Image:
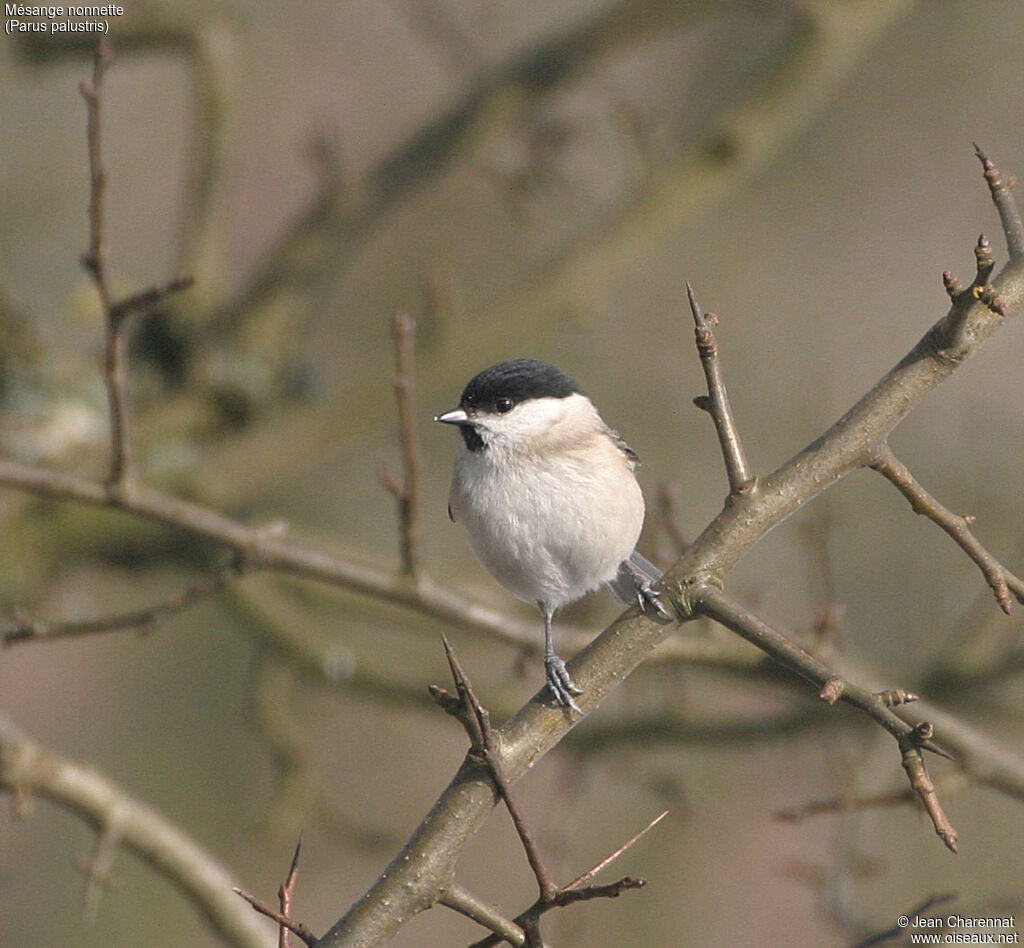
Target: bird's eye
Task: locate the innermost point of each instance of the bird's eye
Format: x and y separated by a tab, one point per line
503	405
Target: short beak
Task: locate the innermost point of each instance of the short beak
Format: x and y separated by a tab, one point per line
457	416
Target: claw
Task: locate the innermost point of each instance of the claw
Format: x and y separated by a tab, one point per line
561	684
649	601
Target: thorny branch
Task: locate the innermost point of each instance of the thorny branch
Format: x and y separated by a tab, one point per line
403	889
525	928
286	896
848	445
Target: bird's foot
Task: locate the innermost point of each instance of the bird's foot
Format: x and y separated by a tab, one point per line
649	601
560	682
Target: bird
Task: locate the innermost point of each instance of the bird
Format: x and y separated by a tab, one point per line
548	497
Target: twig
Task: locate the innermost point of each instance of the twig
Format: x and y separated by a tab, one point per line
406	492
1001	580
286	894
584	879
1006	205
115	313
911	738
263	909
27	630
94	260
28	768
461	900
476	720
716	402
917	773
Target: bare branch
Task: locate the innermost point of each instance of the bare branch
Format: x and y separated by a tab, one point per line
286	895
460	900
1001	580
1006	205
913	764
27	630
406	492
486	748
716	403
28	768
911	738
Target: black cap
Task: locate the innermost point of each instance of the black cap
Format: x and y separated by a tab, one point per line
517	380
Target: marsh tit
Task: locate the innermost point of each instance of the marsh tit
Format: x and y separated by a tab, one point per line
546	493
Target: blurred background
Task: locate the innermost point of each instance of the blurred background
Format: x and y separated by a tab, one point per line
537	179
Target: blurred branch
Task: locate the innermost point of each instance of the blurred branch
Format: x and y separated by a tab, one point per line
826	45
260	549
27	769
407	491
29	630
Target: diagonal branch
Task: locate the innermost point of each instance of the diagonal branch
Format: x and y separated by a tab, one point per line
878	706
1000	579
28	768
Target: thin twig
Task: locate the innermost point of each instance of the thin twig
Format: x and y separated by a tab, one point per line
461	900
716	402
1006	205
406	492
489	753
924	787
911	738
584	879
1000	579
286	894
263	909
27	630
94	260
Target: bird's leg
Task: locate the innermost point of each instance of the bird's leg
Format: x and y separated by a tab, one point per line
559	680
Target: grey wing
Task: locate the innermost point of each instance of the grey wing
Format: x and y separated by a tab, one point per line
620	443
